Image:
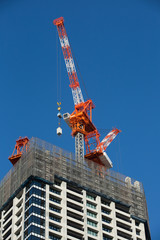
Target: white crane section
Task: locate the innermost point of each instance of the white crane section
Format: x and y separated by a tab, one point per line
71	69
64	42
79	147
77	95
107	140
70	65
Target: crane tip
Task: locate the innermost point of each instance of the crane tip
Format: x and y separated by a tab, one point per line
58	21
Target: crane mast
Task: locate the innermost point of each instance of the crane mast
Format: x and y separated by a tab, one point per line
80	121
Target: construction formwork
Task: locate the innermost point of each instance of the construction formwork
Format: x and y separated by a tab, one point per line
46	161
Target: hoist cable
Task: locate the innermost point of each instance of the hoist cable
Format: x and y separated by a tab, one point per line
60	75
119	153
58	60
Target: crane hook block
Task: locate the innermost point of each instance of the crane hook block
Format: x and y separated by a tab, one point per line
59	104
59	115
59	131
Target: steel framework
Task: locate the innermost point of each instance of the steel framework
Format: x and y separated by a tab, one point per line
45	160
20	147
80	120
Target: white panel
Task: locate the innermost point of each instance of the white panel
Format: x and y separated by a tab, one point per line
106	160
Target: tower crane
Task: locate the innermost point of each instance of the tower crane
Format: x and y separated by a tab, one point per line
80	120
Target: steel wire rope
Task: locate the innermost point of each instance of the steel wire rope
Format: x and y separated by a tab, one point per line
120	157
116	155
104	130
58	60
60	55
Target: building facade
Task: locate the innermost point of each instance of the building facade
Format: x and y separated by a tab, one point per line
48	195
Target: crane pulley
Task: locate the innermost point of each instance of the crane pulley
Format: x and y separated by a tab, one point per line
80	121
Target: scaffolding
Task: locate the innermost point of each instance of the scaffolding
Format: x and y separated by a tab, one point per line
46	161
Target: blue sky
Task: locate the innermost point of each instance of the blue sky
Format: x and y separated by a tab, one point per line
116	44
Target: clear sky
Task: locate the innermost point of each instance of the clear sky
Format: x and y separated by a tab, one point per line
117	47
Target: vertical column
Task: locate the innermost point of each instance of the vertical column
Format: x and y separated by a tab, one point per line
142	231
79	147
1	228
23	211
47	213
64	211
85	214
99	217
14	218
113	215
133	230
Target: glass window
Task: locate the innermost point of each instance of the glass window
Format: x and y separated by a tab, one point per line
35	200
54	218
89	222
106	211
91	232
106	229
34	219
55	191
35	191
31	237
94	215
107	238
53	208
34	209
91	205
55	200
34	229
106	220
90	197
105	202
137	232
54	227
53	237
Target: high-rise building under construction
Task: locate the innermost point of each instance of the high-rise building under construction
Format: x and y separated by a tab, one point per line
50	195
